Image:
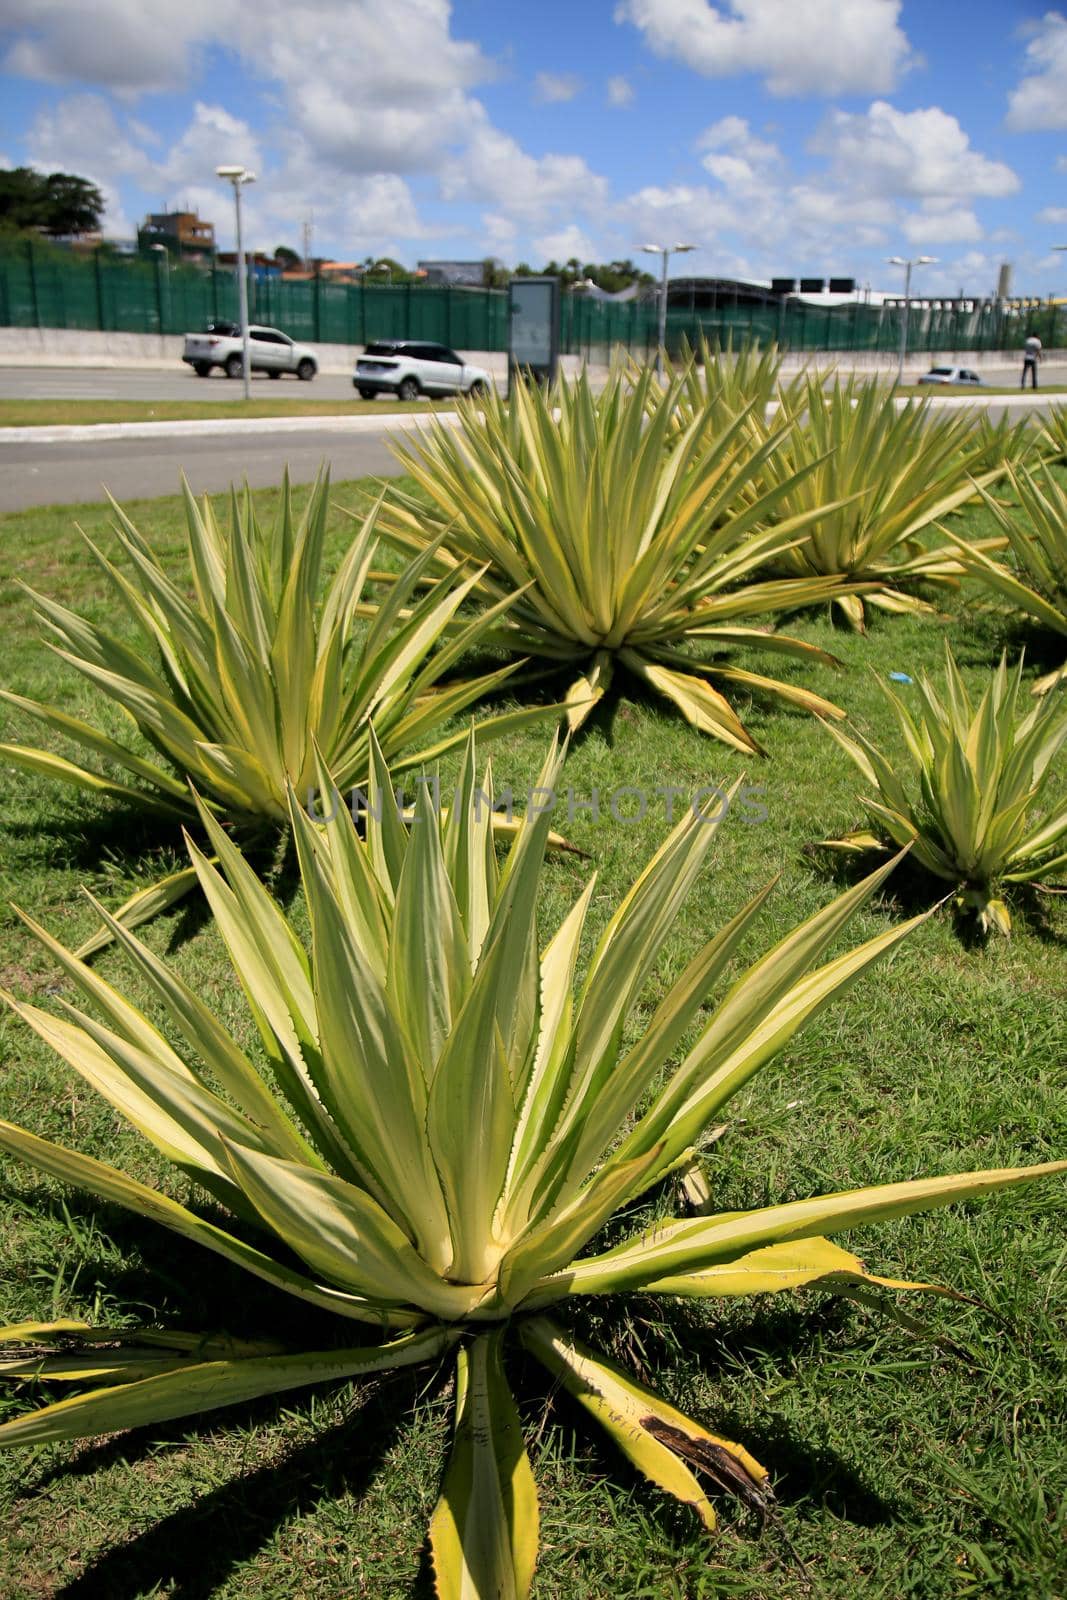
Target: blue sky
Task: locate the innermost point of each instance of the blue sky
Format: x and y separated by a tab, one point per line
779	137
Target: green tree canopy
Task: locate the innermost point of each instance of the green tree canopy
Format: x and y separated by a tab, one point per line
59	203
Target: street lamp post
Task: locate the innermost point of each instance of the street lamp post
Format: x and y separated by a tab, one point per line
666	251
162	255
239	176
900	261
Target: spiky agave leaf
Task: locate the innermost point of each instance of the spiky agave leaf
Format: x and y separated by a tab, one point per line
1052	440
885	474
720	383
236	687
1037	534
976	776
448	1119
629	536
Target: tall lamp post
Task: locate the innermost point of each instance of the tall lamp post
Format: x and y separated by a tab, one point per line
901	261
666	251
162	255
239	176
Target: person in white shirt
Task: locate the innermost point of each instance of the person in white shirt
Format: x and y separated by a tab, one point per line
1031	357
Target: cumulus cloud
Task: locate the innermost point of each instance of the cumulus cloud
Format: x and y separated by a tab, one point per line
565	244
943	225
1040	99
551	88
620	92
735	156
493	168
1056	214
126	45
820	47
922	153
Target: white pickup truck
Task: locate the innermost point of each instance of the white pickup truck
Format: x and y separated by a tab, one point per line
269	351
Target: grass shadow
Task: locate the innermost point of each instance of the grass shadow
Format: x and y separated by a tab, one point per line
192	1552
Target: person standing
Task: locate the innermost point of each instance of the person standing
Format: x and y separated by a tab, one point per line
1031	357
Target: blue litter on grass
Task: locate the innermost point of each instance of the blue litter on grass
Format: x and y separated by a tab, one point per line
901	677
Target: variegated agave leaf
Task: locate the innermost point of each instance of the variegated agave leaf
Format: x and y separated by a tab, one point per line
1036	584
974	802
449	1118
885	474
631	537
236	687
1052	440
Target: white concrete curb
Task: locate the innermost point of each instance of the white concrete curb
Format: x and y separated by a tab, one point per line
101	432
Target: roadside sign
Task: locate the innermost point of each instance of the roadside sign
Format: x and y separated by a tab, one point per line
533	328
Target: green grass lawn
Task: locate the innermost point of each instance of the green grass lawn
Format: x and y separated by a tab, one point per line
930	391
48	413
906	1463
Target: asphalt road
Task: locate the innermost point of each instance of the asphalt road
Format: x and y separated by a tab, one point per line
131	383
69	473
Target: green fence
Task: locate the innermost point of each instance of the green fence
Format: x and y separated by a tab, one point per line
47	288
44	289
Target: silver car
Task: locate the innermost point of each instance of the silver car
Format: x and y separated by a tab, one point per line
951	375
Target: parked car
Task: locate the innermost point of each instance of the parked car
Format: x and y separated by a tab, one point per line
951	375
269	351
407	368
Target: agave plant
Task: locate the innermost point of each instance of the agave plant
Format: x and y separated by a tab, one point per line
629	539
1039	545
719	383
980	772
1052	440
238	687
885	473
426	1012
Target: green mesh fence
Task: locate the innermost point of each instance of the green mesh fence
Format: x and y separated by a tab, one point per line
46	288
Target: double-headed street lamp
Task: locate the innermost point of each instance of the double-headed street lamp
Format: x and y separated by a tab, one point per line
666	251
239	176
901	261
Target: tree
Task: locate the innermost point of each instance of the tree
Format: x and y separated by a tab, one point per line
73	204
288	258
58	204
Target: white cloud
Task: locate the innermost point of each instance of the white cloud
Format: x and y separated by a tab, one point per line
1056	214
212	137
551	88
818	47
620	92
943	225
922	153
119	44
736	158
494	168
1040	100
564	244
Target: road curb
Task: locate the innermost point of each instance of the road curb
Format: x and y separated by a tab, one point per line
90	432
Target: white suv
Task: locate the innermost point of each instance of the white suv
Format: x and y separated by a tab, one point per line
407	368
269	351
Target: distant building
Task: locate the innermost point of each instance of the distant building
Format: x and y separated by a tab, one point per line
462	274
257	262
182	232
